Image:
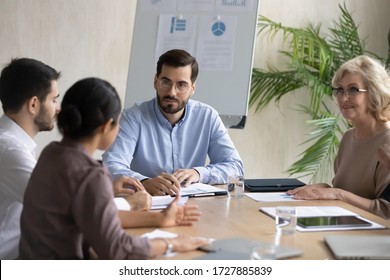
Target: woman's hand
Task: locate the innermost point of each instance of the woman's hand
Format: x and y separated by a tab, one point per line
177	215
126	186
314	192
184	243
139	201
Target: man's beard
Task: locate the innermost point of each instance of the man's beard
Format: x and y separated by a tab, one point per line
43	121
170	108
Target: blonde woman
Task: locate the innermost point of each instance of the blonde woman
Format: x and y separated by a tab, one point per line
361	88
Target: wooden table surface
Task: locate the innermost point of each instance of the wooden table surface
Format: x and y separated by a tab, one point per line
225	217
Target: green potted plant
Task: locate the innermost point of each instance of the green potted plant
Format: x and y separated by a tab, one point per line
312	60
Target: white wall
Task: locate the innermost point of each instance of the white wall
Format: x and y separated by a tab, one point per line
84	38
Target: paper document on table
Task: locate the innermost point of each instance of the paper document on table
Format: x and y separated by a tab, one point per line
121	204
271	196
158	202
161	202
199	189
157	233
313	211
322	211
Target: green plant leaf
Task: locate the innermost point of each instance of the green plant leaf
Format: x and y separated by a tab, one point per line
271	86
317	160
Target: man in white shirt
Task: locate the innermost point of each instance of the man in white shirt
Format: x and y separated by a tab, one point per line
28	93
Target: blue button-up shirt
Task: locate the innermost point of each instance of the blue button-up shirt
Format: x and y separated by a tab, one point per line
148	144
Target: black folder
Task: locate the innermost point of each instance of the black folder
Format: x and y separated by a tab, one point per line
272	185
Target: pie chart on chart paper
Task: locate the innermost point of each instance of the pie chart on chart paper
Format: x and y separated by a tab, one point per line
218	28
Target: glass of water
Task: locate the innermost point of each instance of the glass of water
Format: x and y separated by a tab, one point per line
286	220
236	186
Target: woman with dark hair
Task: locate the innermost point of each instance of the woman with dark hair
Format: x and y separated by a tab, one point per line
68	204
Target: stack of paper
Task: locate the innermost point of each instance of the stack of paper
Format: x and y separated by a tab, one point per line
199	189
158	202
161	202
271	196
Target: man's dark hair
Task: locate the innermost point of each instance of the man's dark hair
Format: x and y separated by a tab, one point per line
22	79
178	58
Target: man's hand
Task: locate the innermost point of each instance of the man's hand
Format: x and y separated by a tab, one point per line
162	185
126	186
187	176
139	201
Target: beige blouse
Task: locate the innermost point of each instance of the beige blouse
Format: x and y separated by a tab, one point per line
358	170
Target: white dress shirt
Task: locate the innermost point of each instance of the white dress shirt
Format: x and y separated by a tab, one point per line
17	160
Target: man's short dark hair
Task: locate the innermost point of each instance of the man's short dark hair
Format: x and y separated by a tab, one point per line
22	79
178	58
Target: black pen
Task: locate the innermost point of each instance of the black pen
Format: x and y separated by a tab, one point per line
208	194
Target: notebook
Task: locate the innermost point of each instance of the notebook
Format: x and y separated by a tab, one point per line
359	247
272	185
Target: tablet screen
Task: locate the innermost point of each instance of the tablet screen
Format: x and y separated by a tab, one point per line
339	221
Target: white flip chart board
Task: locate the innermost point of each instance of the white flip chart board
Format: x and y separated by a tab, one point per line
219	33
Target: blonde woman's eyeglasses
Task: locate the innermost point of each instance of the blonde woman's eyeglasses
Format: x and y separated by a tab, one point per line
353	91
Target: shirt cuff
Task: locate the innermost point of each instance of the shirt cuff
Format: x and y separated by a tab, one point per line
203	174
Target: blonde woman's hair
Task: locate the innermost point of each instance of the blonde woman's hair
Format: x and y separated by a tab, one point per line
377	80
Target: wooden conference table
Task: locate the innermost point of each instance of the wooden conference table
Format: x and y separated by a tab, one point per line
225	217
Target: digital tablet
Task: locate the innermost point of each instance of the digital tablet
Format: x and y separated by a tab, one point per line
331	221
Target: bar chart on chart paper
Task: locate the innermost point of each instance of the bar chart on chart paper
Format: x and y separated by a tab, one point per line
233	2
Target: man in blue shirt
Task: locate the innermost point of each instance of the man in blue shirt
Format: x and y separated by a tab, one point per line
165	142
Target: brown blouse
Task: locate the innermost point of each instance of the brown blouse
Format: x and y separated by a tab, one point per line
68	208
